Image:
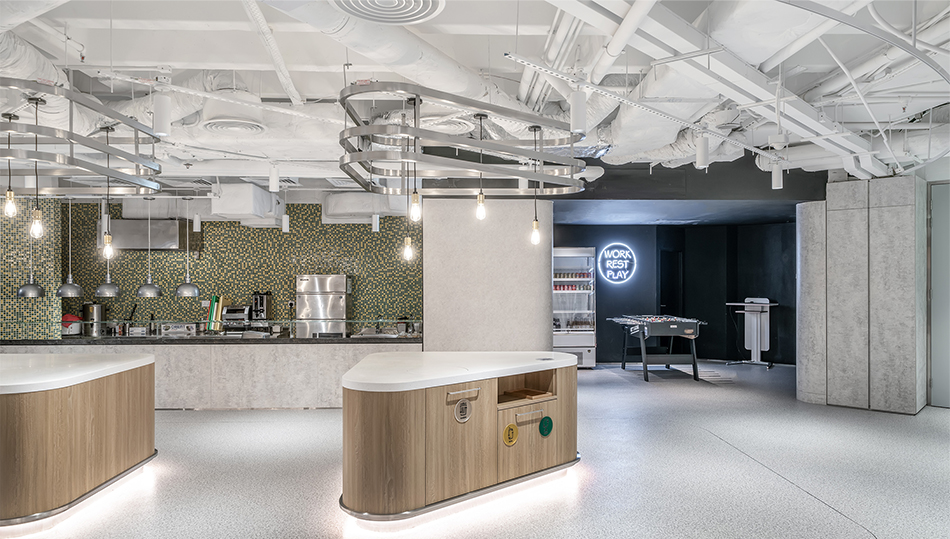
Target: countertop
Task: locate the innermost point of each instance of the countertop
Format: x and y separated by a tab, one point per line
406	371
208	340
28	373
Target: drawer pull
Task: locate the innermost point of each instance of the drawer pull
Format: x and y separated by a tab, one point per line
531	412
450	393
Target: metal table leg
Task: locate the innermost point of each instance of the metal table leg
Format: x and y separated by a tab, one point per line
692	346
623	353
643	354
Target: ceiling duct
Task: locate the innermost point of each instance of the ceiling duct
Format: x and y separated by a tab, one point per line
394	12
224	118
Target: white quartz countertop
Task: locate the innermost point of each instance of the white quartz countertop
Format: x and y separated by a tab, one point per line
27	373
406	371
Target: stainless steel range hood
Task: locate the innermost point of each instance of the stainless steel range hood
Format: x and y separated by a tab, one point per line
167	234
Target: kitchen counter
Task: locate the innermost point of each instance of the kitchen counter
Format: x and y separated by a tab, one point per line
72	424
28	373
207	339
423	430
405	371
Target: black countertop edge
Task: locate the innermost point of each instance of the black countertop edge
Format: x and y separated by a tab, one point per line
133	341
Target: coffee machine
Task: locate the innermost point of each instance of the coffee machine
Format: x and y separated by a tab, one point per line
261	309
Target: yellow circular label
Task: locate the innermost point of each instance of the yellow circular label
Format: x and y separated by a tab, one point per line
510	435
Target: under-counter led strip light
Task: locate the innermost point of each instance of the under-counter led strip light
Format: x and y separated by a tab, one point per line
606	93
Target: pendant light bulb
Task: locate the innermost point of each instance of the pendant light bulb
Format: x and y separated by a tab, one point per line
535	232
9	207
108	252
407	250
36	228
415	209
480	207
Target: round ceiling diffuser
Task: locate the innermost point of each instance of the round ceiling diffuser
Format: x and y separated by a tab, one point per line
397	12
231	117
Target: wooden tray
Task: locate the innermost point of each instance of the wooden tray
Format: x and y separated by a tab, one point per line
528	393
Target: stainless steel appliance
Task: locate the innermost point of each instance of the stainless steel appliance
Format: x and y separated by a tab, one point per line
92	318
261	309
236	318
321	305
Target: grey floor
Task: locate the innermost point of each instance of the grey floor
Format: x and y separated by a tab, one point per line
732	456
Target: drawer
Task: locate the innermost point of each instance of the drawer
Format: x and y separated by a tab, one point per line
460	456
532	451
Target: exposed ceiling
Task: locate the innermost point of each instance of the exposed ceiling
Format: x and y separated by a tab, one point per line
298	55
673	212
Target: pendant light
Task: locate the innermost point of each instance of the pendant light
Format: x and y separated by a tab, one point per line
480	199
108	251
69	289
9	206
31	289
108	289
187	289
535	228
36	226
149	290
407	243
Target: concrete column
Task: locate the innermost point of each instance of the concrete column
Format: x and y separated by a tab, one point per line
811	362
897	262
847	293
485	286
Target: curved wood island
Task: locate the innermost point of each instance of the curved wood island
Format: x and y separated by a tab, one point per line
70	424
422	430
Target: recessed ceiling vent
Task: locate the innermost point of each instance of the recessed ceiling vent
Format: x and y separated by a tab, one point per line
234	119
397	12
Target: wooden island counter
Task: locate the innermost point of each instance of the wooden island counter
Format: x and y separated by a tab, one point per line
422	430
70	424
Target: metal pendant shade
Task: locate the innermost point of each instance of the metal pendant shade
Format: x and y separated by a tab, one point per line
149	289
69	289
187	289
31	289
108	289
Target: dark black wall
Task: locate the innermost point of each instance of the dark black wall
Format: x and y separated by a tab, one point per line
766	268
721	264
636	296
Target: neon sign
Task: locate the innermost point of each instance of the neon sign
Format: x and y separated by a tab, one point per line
616	263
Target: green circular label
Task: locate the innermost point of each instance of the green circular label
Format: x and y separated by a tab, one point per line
545	426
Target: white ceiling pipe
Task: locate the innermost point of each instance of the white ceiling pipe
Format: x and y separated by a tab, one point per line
935	34
182	104
628	27
21	60
920	43
397	49
270	45
702	152
808	38
15	12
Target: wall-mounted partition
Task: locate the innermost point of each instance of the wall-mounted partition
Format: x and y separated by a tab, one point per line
862	296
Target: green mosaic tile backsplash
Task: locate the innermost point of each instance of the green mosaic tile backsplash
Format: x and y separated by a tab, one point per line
236	261
30	318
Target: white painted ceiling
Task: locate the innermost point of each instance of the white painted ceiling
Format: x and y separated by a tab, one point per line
152	38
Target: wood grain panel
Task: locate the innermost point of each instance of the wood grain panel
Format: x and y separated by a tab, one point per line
460	457
384	450
567	415
57	445
531	452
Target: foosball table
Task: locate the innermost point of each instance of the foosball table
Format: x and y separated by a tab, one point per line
646	326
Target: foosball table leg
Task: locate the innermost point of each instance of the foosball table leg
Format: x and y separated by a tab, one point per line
692	347
643	356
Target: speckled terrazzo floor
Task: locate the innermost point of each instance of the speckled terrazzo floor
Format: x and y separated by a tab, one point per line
733	456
